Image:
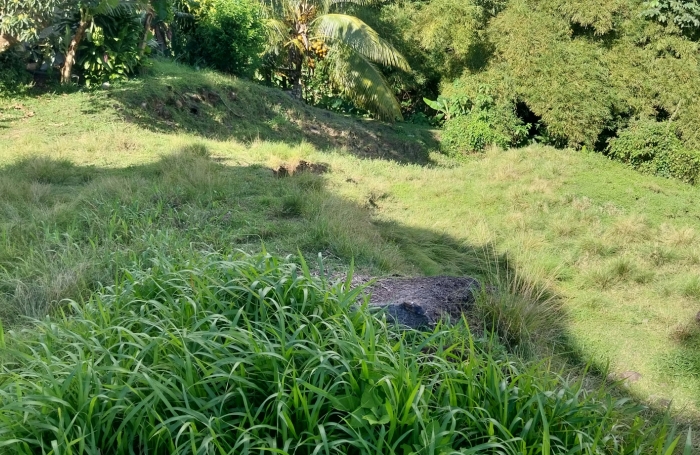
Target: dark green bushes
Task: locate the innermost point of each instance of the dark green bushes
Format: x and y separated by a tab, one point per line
226	35
580	70
655	148
239	355
111	49
14	77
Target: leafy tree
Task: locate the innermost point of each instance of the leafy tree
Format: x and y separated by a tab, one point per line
86	10
158	11
24	20
302	31
685	14
228	35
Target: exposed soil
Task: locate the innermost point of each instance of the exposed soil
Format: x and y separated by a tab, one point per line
289	169
420	302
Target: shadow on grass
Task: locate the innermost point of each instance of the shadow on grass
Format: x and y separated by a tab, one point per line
171	98
65	230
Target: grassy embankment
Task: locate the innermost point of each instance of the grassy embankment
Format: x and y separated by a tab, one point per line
621	250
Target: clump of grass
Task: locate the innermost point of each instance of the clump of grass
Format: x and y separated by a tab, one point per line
521	310
616	271
197	149
44	170
634	228
292	204
691	288
247	354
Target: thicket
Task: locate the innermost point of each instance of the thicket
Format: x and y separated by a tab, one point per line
111	51
578	72
247	354
655	148
13	75
226	35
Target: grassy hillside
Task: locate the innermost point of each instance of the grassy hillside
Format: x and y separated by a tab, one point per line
90	182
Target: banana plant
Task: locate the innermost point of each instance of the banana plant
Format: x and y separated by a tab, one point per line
302	31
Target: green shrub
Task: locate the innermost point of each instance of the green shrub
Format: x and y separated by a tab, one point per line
14	77
655	148
485	123
253	354
469	133
111	49
683	14
227	35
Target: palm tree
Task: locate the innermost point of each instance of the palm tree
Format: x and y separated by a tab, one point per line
302	31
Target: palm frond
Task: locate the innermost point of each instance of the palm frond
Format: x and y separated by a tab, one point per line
359	36
109	7
363	83
280	8
277	34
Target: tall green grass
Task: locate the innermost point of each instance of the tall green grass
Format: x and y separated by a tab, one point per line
252	354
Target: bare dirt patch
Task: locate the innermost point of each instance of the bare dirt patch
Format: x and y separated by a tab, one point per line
288	169
422	301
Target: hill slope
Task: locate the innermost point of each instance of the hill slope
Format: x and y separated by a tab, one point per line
621	249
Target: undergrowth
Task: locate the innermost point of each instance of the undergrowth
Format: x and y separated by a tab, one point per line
252	354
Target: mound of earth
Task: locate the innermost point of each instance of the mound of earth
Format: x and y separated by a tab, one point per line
420	302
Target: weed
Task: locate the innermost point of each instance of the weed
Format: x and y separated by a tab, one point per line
292	205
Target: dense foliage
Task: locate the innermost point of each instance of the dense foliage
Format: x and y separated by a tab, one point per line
578	72
227	35
473	125
13	77
655	148
247	354
111	49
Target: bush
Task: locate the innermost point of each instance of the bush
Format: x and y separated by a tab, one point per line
469	133
485	123
655	148
111	49
14	77
227	35
251	354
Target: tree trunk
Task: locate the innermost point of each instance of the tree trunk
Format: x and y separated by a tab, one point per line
146	30
67	70
6	42
296	60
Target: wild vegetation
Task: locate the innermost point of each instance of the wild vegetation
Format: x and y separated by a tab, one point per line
570	241
548	149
